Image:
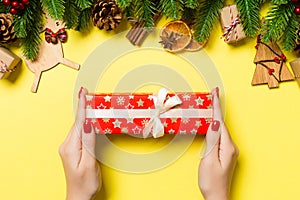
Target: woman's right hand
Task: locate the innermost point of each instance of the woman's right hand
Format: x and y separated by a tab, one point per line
217	165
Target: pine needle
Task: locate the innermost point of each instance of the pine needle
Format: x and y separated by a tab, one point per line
191	4
276	21
71	15
84	4
123	3
84	20
145	11
172	8
279	1
205	19
55	8
288	40
249	16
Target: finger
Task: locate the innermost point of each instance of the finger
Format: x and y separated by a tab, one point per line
70	150
212	140
228	149
217	111
80	117
88	144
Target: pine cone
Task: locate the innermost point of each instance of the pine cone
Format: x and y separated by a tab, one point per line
106	15
7	33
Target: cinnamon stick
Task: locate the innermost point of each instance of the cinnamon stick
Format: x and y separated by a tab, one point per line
138	33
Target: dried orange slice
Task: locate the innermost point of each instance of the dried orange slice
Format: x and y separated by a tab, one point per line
175	36
194	46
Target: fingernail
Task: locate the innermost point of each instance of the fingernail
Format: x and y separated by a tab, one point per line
215	125
87	127
217	91
79	93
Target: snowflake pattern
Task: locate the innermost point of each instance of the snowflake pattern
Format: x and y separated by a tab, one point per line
120	100
145	122
186	97
185	120
107	131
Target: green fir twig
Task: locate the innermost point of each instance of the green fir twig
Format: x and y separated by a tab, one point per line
205	19
249	16
276	21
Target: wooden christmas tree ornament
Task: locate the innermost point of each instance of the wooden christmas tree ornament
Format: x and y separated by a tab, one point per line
50	53
295	64
270	65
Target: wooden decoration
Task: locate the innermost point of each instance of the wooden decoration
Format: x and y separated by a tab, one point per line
270	65
8	62
295	64
50	54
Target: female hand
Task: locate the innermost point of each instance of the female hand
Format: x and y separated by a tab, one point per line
217	165
82	171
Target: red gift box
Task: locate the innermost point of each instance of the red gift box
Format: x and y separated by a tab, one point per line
144	114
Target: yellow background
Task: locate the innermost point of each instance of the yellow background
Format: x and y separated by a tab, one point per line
264	124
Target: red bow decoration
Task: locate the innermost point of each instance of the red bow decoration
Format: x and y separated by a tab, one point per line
61	35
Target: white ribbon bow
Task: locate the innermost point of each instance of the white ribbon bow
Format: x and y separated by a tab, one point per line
161	106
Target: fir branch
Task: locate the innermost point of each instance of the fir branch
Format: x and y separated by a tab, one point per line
279	1
28	26
276	21
3	8
249	16
288	40
145	11
71	15
85	21
191	4
189	15
55	8
206	16
30	44
84	4
123	3
172	8
261	2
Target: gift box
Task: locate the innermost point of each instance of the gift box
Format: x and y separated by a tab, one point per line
148	114
8	62
231	24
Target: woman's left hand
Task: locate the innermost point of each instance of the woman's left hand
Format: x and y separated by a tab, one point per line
82	171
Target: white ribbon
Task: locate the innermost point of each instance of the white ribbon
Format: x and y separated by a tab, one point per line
161	106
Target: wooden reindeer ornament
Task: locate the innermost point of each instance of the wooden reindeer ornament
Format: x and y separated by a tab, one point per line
270	65
50	51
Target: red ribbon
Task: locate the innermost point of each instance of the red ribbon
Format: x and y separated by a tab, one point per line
231	27
61	35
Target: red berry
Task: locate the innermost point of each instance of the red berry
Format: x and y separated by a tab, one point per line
15	4
6	2
26	2
13	11
297	10
21	6
295	1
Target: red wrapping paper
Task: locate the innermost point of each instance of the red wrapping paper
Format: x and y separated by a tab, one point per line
133	102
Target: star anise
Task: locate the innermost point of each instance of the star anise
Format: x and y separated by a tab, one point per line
170	39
